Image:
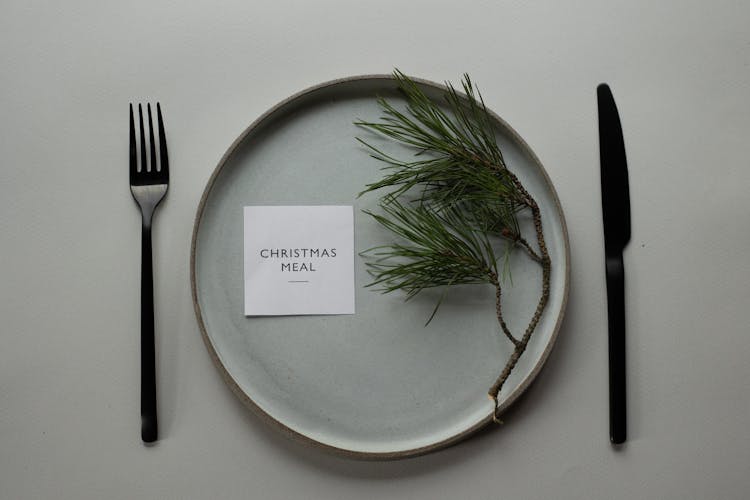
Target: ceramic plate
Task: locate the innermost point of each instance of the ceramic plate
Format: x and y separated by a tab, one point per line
379	383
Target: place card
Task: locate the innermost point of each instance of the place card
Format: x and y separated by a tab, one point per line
299	260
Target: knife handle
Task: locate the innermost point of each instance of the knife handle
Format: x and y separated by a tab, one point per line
615	271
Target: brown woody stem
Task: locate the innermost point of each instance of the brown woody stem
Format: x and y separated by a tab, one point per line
499	309
529	250
544	259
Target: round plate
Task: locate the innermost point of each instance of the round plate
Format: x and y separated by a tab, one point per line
379	383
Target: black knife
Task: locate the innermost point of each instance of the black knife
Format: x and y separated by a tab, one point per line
616	217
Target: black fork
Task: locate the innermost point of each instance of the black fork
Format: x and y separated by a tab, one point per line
149	185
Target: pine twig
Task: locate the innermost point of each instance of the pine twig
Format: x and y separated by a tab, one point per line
520	347
463	197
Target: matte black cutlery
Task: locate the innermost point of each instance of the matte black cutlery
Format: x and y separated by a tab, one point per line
148	183
616	217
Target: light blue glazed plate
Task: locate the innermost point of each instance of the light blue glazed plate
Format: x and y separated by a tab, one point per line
378	384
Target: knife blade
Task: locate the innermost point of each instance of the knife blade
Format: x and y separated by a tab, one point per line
616	218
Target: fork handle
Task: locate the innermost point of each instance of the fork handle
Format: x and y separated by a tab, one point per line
149	428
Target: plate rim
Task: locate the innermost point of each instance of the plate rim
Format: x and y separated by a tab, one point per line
296	435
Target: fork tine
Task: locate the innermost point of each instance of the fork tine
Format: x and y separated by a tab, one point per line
163	158
152	149
133	157
143	140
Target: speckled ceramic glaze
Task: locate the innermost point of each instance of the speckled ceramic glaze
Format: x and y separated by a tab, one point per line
379	383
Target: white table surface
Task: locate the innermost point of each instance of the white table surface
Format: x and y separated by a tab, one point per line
69	240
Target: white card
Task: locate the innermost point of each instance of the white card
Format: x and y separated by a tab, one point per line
299	260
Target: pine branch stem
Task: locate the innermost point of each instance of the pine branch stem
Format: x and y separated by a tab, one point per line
525	245
520	347
499	309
